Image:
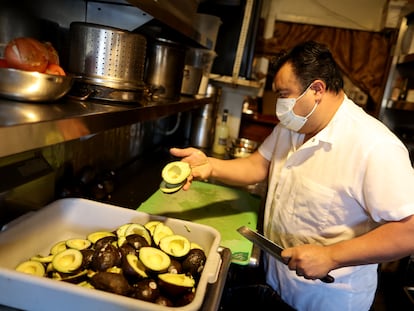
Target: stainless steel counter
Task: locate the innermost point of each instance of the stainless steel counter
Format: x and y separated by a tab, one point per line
27	126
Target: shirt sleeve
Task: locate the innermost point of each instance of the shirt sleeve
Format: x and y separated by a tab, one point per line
268	145
389	182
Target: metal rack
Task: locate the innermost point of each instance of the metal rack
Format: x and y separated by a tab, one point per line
28	126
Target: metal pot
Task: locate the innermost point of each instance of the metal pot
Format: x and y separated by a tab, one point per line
107	56
164	68
204	120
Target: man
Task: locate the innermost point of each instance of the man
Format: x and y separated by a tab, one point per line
340	187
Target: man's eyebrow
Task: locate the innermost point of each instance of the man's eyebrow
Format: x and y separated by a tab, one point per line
280	90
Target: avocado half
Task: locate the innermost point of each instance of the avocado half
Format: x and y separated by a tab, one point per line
169	188
176	172
174	176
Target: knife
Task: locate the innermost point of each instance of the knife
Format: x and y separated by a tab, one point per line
271	247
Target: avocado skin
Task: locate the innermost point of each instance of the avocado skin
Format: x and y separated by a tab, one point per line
111	282
194	262
106	257
147	290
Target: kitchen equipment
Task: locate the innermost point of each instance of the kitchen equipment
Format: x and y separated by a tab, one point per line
33	86
208	58
242	147
164	68
249	144
271	247
198	64
108	57
208	25
68	218
239	152
191	80
82	91
204	119
220	207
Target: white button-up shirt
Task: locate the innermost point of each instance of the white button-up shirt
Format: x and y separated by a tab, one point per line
347	179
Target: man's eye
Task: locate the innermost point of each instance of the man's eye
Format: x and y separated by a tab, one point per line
281	93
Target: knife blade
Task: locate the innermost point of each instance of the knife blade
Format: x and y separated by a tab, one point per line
271	247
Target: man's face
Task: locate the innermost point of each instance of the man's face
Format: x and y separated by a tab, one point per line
286	85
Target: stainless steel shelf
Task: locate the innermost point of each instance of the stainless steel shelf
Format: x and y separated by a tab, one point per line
28	126
227	80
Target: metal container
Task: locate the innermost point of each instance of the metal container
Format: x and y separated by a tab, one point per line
204	120
164	68
191	80
198	64
242	147
107	56
33	86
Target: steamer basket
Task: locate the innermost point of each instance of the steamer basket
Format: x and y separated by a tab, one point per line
107	56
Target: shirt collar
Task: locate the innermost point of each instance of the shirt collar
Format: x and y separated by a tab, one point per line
326	135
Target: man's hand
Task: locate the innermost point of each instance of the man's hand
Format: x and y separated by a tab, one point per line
309	260
199	163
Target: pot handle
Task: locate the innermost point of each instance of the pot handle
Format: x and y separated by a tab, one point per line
152	92
84	96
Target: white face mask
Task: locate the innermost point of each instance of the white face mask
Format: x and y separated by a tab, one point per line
286	115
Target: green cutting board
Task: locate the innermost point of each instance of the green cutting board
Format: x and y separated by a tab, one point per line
220	207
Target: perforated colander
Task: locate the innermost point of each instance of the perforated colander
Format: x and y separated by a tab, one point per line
107	56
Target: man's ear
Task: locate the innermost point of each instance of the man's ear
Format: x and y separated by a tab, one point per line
318	86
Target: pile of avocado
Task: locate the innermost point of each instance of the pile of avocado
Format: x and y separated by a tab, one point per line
148	262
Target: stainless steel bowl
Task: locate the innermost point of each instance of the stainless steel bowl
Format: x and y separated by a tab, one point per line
248	144
33	86
239	152
242	147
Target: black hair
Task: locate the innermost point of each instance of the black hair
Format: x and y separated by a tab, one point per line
311	60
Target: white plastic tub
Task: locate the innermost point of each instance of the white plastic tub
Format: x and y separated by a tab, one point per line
68	218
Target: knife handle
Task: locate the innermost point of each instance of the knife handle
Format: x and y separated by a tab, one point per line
328	279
